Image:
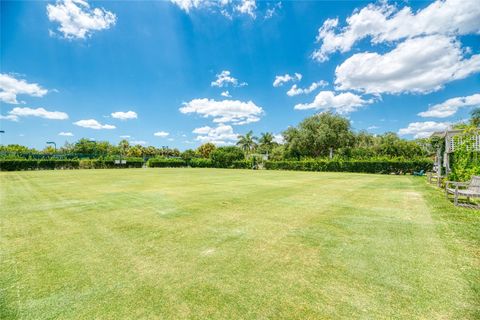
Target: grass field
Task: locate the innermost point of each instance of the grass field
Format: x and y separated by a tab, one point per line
228	244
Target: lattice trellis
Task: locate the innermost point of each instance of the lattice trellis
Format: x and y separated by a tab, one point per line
458	140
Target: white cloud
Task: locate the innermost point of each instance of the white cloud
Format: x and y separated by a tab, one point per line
125	137
10	117
280	80
140	142
451	106
10	87
187	5
295	90
278	138
93	124
161	134
419	65
423	129
39	112
247	7
225	79
233	111
124	115
221	135
226	94
77	19
386	23
373	128
342	103
66	134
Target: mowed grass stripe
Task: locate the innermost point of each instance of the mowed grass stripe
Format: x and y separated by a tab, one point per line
209	243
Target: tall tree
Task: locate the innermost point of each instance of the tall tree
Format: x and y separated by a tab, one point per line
247	142
266	142
475	117
206	149
319	135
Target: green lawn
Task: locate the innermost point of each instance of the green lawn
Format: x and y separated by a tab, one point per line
229	244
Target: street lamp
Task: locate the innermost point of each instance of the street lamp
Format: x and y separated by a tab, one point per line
54	144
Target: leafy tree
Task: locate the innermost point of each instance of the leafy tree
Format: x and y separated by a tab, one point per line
247	142
475	117
206	149
188	155
266	143
319	135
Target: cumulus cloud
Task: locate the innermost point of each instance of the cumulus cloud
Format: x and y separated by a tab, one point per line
38	112
161	134
226	111
10	87
77	19
66	134
9	117
124	115
221	135
387	23
423	129
450	107
226	94
225	79
342	103
280	80
247	7
278	138
226	7
93	124
295	90
138	142
419	65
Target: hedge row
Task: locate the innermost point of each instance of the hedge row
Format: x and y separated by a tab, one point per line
200	163
365	166
166	163
17	165
109	164
31	164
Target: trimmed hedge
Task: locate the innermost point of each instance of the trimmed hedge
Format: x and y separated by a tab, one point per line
200	163
166	163
109	164
21	164
365	166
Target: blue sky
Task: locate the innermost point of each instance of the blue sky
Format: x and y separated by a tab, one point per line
155	71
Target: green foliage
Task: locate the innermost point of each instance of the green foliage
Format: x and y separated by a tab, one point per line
247	142
109	164
465	161
316	135
223	157
188	155
206	149
23	164
201	163
365	166
166	163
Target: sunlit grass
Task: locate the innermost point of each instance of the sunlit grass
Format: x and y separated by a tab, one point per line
224	244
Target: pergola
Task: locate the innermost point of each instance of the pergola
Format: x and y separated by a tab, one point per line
453	138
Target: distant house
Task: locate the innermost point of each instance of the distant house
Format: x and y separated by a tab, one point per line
452	139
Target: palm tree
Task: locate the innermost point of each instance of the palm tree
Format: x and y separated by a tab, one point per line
247	142
266	141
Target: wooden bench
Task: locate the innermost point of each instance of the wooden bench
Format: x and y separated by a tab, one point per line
463	189
433	177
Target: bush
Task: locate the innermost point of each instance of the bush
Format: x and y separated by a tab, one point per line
365	166
24	164
200	163
242	164
166	163
224	157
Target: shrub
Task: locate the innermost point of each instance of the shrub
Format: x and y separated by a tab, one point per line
242	164
223	157
201	163
365	166
28	164
166	163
